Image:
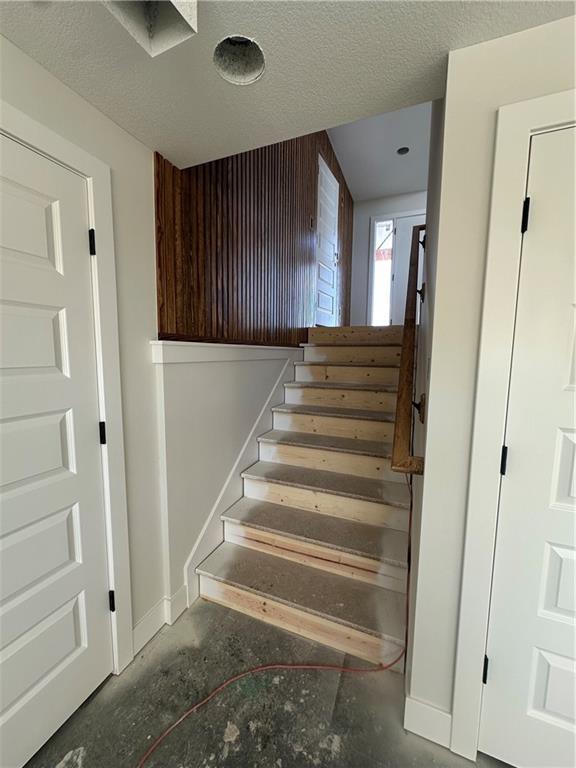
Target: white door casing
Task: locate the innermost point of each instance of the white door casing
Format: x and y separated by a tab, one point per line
518	125
403	226
63	528
327	302
531	640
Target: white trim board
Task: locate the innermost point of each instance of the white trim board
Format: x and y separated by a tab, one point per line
427	721
516	124
166	611
164	352
37	137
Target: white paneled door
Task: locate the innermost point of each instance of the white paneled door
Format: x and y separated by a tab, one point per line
528	708
327	256
403	227
55	629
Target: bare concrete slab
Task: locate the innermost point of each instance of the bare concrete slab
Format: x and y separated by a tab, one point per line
277	719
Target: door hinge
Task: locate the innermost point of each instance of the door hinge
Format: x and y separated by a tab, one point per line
485	670
503	459
525	215
102	426
92	241
112	600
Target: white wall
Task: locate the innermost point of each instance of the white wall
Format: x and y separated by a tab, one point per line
414	202
214	401
31	89
426	324
481	78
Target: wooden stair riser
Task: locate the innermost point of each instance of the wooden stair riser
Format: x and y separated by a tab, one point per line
358	355
346	398
385	575
348	374
331	461
308	625
356	334
358	429
372	512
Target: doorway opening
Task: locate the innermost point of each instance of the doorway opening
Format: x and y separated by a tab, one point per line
382	249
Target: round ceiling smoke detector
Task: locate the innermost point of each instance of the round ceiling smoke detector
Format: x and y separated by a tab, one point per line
239	60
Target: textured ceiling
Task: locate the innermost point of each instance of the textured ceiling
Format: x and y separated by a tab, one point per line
366	151
327	63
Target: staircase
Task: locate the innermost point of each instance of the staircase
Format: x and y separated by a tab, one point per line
318	543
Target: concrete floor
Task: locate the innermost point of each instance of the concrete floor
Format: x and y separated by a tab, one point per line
272	720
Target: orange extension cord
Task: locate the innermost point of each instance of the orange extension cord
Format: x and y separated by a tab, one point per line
274	667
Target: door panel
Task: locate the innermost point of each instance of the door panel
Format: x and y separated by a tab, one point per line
327	258
400	264
528	716
55	632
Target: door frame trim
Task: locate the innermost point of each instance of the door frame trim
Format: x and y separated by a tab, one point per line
516	124
20	127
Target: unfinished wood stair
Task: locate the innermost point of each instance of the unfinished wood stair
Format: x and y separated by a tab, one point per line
318	543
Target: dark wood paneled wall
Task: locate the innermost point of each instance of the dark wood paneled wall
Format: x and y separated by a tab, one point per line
236	244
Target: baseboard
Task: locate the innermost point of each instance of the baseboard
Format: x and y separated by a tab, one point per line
428	721
149	625
166	611
212	533
177	604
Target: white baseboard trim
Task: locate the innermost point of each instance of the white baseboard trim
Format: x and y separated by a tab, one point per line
177	604
166	611
428	721
149	625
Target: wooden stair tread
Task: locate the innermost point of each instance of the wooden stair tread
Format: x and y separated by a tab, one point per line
328	443
351	486
356	604
370	541
341	385
348	344
331	410
330	364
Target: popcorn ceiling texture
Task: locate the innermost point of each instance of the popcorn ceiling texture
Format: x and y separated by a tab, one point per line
327	63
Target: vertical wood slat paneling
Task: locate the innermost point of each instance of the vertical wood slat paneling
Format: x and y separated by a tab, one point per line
236	244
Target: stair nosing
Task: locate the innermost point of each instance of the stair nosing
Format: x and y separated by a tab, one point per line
351	344
348	495
336	364
305	442
261	592
226	518
353	387
333	411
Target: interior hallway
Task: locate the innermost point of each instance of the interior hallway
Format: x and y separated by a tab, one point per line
273	720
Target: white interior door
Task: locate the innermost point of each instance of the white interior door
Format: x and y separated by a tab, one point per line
528	708
55	629
401	263
327	256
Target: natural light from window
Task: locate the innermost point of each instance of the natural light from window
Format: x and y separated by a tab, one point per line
382	272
